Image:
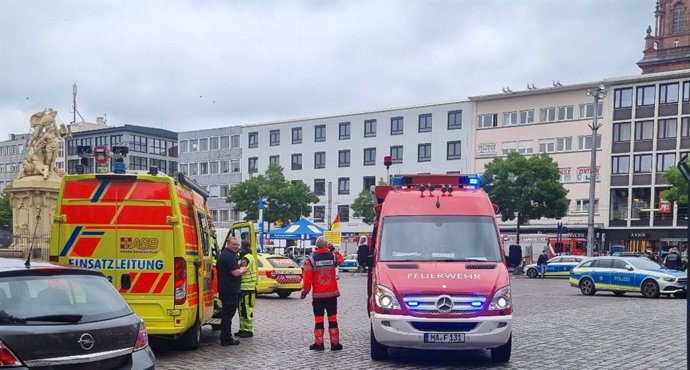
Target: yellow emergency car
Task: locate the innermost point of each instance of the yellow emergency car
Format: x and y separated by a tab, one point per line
278	274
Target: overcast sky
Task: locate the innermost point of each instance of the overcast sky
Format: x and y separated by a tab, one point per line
185	65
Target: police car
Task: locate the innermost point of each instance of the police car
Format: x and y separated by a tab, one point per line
557	266
627	274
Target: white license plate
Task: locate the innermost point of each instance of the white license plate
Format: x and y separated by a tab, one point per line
444	337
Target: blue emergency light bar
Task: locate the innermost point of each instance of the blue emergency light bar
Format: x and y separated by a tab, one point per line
462	181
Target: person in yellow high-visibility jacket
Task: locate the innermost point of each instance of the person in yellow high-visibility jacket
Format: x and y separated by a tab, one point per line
247	291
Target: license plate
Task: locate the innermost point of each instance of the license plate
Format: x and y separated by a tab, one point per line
444	337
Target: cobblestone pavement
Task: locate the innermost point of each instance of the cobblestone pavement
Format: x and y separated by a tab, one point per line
555	327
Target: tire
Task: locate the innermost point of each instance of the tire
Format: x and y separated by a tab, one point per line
502	353
587	286
379	351
283	294
618	293
650	289
532	273
191	338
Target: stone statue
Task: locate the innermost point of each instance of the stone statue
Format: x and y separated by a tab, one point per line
43	146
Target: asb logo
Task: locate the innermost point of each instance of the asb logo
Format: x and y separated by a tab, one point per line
138	245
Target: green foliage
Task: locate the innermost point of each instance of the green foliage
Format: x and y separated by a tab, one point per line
5	209
363	207
283	200
679	187
526	188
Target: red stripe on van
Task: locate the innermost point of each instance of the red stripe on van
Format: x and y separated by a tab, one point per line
144	215
85	247
145	282
96	214
80	189
150	191
161	283
117	191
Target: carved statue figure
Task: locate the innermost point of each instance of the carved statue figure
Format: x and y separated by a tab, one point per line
43	145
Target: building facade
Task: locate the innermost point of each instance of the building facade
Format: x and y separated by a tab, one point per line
212	158
11	158
668	48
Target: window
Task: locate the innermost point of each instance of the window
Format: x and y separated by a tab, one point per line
525	147
156	146
686	91
526	116
645	95
425	122
564	144
510	118
487	120
320	160
369	156
455	120
508	147
139	144
547	145
253	165
235	166
184	168
620	165
213	168
102	141
319	213
274	137
368	182
370	128
213	191
587	110
397	153
547	114
253	140
565	174
685	127
667	128
665	161
296	162
643	163
224	215
224	167
583	174
193	169
235	141
137	163
565	112
621	132
668	93
203	145
213	143
622	98
343	186
183	145
678	19
453	150
396	126
344	213
644	130
586	142
297	135
344	158
117	140
320	133
274	159
320	186
224	142
424	152
344	130
582	206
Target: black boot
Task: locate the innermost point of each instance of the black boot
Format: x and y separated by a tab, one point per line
316	347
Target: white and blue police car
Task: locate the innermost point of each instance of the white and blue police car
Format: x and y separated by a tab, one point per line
627	274
557	266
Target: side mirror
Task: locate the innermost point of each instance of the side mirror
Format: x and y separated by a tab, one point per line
363	257
630	268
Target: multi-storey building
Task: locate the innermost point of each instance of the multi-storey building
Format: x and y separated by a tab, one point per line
148	147
11	157
212	158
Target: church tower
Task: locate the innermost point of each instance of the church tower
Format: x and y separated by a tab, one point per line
668	49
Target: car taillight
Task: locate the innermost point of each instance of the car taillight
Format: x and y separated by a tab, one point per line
271	274
7	358
180	280
142	338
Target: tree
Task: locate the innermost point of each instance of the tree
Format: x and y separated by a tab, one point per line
5	210
283	200
526	188
363	207
679	187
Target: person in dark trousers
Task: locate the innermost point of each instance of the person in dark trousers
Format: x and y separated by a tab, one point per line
673	261
319	277
229	278
541	262
247	291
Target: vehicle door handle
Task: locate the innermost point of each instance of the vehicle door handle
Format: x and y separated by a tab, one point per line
125	281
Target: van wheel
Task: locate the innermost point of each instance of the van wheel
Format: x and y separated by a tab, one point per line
378	351
191	338
650	289
502	353
587	286
532	273
283	294
618	292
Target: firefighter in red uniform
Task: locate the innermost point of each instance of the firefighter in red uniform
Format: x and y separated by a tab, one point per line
319	276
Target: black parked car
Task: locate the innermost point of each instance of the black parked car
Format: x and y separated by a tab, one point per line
59	317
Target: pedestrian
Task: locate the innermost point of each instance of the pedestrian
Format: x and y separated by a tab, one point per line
650	255
541	263
229	278
319	277
247	291
673	260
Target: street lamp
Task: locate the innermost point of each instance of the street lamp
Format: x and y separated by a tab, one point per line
597	93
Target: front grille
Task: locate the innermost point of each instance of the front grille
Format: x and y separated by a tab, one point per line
458	304
403	266
480	267
683	281
444	326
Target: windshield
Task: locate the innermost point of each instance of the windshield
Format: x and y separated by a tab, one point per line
439	238
644	264
59	299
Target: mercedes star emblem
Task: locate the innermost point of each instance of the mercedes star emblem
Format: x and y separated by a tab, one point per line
444	303
86	341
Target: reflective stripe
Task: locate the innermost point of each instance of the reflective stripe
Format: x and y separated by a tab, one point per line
249	278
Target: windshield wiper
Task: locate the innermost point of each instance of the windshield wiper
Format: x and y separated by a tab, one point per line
6	318
56	318
459	260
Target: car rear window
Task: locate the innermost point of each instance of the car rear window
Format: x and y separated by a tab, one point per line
281	262
84	297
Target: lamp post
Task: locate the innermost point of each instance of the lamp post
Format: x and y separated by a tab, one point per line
597	93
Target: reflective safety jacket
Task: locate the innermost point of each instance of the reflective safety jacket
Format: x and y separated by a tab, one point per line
319	273
249	278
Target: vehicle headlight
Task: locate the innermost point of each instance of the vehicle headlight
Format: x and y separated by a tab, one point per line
669	279
502	299
385	298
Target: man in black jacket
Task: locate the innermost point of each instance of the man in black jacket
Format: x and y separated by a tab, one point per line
673	261
541	263
229	278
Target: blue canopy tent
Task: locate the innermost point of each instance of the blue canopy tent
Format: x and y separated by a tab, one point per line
302	229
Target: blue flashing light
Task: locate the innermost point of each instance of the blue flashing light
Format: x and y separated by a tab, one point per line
413	303
119	167
473	182
476	304
397	181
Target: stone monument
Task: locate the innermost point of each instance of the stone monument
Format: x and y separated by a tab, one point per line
35	190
